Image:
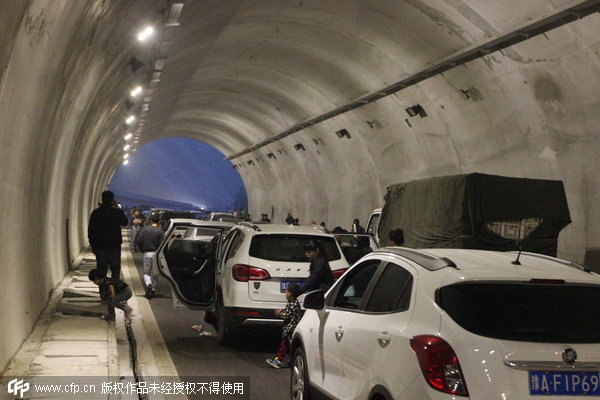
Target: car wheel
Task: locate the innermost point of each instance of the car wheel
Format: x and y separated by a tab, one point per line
300	383
224	334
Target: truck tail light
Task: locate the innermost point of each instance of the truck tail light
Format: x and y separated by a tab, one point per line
439	364
245	273
339	272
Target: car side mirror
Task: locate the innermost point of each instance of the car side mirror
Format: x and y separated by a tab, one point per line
314	300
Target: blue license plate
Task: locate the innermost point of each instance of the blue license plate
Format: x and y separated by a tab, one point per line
564	383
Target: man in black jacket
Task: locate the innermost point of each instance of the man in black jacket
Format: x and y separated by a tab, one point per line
104	234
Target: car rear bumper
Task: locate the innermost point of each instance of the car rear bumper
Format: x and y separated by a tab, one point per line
239	316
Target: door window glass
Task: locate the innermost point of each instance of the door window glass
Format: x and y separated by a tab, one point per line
235	245
392	291
353	288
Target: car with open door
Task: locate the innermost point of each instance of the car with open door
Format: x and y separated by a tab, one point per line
187	260
256	263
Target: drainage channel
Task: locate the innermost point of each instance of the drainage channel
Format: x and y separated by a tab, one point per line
133	356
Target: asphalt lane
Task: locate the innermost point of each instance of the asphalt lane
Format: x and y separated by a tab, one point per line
196	355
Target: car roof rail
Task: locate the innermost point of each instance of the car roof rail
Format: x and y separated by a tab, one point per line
319	228
250	225
425	260
557	260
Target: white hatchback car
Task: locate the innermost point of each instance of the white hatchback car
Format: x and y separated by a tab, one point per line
444	324
242	276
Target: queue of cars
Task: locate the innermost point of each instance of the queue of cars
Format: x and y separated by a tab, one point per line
399	323
239	272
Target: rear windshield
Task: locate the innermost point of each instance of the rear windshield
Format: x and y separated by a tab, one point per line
525	312
289	247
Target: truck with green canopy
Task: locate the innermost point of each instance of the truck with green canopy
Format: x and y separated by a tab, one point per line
477	211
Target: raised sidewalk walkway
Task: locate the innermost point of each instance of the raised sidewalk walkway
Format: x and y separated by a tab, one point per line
71	341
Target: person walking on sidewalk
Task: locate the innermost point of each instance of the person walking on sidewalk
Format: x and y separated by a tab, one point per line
104	234
148	241
291	315
115	292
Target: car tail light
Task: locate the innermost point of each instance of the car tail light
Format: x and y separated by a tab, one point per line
439	364
245	273
339	272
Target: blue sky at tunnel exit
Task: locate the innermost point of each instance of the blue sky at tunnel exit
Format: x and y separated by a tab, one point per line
184	170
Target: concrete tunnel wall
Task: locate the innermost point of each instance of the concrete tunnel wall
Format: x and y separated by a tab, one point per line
239	72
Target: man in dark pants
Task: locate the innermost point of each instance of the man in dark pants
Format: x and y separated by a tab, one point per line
104	234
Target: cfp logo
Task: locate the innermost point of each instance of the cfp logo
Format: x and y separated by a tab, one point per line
15	386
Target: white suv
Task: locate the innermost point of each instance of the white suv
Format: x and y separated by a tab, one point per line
449	324
241	276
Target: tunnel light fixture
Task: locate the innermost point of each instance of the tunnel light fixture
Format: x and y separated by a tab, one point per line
125	162
145	33
130	120
128	136
343	133
125	156
299	146
126	147
136	91
415	110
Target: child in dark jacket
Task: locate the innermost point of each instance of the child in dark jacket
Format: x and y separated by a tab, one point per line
114	292
291	315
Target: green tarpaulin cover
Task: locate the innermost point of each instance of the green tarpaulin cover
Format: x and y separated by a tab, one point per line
452	211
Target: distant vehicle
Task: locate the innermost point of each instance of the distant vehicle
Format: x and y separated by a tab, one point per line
448	324
155	212
355	245
224	217
167	215
373	224
241	276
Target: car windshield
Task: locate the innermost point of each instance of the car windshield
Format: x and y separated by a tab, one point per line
552	313
289	247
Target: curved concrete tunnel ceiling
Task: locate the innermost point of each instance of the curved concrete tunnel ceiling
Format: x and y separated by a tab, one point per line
237	74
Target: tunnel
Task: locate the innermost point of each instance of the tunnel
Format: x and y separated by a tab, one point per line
319	105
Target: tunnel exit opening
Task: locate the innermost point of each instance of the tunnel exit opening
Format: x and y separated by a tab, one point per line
180	174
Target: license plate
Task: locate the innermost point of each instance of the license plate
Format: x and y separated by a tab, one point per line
564	383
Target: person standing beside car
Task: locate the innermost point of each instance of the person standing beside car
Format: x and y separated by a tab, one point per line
148	241
320	276
356	228
396	237
104	234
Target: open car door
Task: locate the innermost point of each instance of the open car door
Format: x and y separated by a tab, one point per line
355	245
187	259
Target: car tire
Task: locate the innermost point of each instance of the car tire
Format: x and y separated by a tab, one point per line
299	382
224	334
